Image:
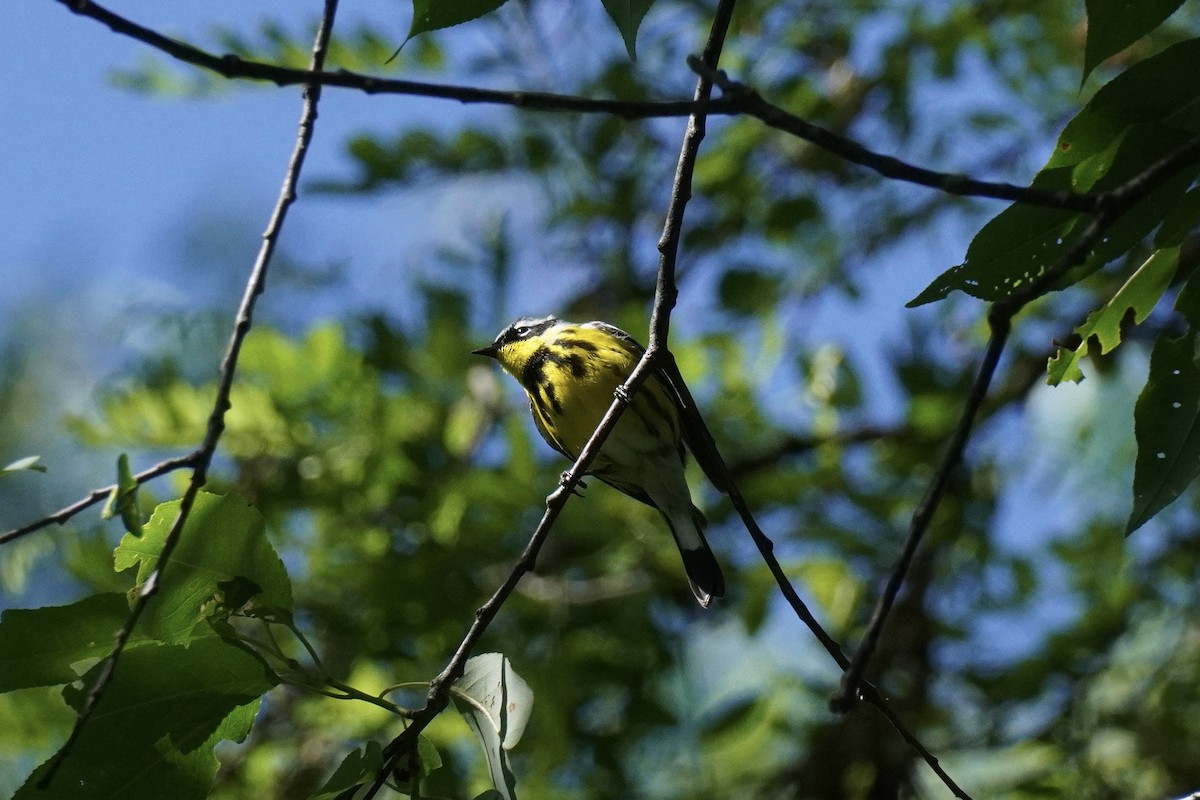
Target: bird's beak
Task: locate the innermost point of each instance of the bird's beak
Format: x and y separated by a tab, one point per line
489	351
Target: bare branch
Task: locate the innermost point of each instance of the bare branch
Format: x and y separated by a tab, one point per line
720	475
96	495
231	66
216	421
1112	204
749	102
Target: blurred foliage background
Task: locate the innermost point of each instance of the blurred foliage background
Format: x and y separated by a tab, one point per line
1035	650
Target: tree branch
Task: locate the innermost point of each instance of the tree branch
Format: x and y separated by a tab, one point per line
704	447
96	495
748	101
738	99
232	66
216	421
1112	205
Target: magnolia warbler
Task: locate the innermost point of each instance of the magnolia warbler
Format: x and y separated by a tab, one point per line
570	372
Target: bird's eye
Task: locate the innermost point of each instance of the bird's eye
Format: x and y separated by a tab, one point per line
523	331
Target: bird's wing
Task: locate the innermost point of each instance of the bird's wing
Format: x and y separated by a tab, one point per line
695	433
545	432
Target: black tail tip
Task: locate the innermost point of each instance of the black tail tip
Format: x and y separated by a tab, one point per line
704	575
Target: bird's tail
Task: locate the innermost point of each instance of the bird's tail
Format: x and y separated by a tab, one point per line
703	571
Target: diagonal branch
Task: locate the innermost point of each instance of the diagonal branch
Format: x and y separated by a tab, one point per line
96	495
216	421
1112	205
705	450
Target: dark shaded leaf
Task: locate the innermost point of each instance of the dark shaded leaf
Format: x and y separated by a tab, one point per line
1113	25
39	645
152	733
1167	418
433	15
628	15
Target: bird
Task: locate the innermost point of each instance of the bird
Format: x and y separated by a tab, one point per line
570	372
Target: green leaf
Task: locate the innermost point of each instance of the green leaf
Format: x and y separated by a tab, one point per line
496	701
1131	123
153	731
27	464
1011	250
358	766
1113	25
224	539
123	498
433	15
628	16
38	646
1140	294
1166	418
1180	221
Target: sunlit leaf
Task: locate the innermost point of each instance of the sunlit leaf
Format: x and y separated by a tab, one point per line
1140	294
224	538
123	498
27	464
497	702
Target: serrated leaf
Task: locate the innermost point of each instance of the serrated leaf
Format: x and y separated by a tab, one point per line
27	464
224	539
1167	418
1140	294
153	731
38	646
433	15
628	16
496	702
1113	25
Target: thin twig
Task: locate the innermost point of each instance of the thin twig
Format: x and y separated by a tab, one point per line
704	447
96	495
664	300
750	102
216	421
852	677
1112	205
